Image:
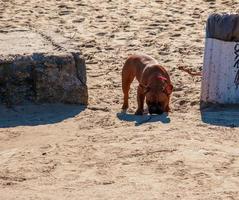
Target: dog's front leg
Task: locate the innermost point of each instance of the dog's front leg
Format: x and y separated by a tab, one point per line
140	100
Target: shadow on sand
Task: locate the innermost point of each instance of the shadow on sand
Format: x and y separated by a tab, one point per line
164	118
221	115
33	115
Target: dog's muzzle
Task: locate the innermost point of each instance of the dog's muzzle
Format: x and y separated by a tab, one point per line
155	109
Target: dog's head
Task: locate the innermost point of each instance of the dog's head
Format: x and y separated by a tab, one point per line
157	95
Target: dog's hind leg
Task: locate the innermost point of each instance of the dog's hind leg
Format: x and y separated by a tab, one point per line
128	75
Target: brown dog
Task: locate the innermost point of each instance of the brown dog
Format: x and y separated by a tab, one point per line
154	84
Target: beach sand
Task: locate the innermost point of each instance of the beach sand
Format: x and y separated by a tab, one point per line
73	152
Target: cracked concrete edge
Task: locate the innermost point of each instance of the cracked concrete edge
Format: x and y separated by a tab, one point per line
80	67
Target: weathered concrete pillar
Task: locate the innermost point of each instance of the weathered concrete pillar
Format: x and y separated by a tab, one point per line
32	69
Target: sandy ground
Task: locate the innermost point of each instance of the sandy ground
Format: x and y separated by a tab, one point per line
72	152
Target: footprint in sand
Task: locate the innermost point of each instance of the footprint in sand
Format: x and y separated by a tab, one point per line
79	20
65	12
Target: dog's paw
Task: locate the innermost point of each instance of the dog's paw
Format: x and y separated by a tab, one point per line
139	112
124	111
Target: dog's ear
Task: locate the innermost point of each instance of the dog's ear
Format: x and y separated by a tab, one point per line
169	89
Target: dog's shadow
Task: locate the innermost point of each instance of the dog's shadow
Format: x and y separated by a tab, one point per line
142	119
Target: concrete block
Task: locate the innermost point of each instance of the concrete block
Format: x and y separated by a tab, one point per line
34	69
